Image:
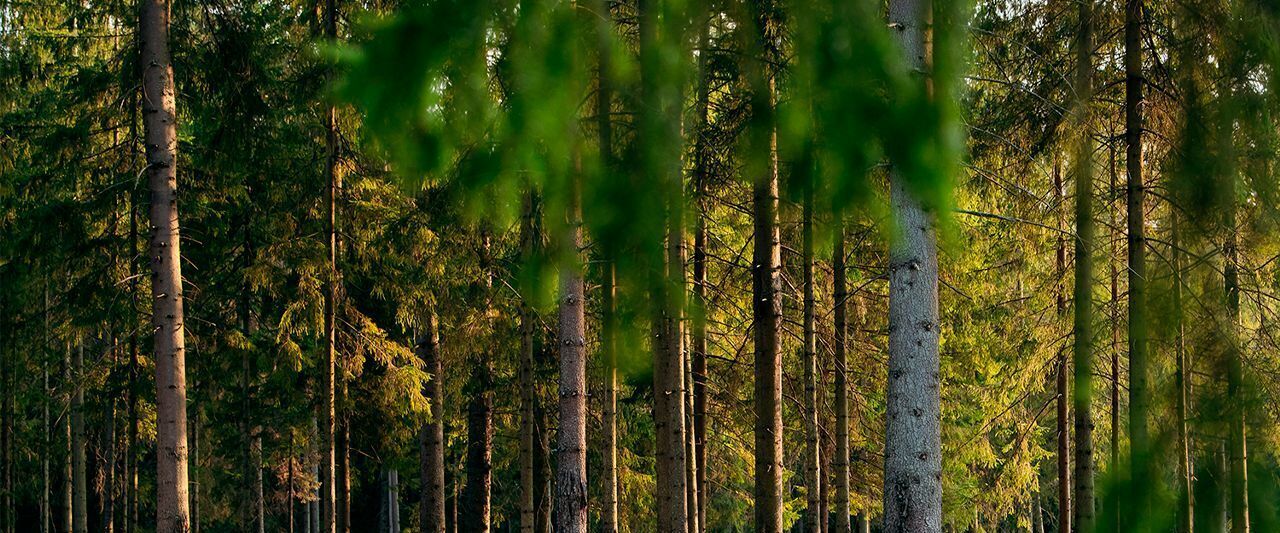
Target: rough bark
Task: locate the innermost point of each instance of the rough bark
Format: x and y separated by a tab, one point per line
814	520
840	463
913	436
431	459
571	439
766	307
161	140
1237	453
1083	509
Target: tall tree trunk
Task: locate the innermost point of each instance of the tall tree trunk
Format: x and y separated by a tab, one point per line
840	296
661	126
1113	499
161	141
608	334
1186	517
913	436
108	499
46	425
195	462
698	316
766	308
571	441
528	391
1237	453
431	504
66	510
690	448
1063	376
813	461
342	449
1139	441
1082	397
131	397
328	454
80	498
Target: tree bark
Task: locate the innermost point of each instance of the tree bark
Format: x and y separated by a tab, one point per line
662	124
1186	517
80	498
814	520
475	507
766	263
431	503
609	409
65	511
1062	374
1237	453
1082	397
528	391
913	436
161	141
1139	441
571	441
698	322
840	464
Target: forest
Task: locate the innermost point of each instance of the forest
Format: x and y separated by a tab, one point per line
672	266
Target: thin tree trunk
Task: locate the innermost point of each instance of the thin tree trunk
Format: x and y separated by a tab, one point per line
1139	441
195	464
431	504
108	522
1237	453
79	501
46	440
326	406
571	441
840	296
690	448
813	461
913	436
766	308
343	463
1083	510
1186	518
161	141
698	322
66	511
609	410
1114	496
393	501
1062	374
528	393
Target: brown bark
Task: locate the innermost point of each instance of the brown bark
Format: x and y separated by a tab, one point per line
1139	401
431	504
814	520
609	409
840	463
1062	376
528	392
161	141
475	507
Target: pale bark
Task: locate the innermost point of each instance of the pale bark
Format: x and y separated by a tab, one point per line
913	435
571	440
528	392
431	503
80	496
698	322
608	335
1182	384
161	141
326	404
1237	453
65	510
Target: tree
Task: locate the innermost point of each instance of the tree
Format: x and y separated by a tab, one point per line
431	504
1082	358
913	433
159	118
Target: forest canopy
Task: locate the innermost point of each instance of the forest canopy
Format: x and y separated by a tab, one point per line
639	265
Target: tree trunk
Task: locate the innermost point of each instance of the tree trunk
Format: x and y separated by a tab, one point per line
474	514
1139	442
431	504
1083	511
161	141
343	463
698	322
195	465
66	511
662	125
80	498
840	464
1237	453
913	437
528	391
766	308
1113	499
571	441
1186	517
813	461
46	425
1062	375
328	459
690	447
608	334
108	498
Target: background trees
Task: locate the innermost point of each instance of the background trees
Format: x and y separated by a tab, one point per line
730	342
